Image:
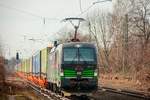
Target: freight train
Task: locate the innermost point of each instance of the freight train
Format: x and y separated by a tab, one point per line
71	67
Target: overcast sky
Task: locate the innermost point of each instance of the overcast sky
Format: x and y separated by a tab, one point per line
21	20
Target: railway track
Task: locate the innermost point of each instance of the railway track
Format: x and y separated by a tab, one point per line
126	92
46	93
53	96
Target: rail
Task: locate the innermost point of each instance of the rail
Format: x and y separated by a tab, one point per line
126	92
46	93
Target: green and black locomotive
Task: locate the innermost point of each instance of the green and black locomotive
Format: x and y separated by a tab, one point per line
73	67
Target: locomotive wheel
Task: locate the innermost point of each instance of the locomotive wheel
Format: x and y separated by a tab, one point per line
59	90
62	94
48	87
55	89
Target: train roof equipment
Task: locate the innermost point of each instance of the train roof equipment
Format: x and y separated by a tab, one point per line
76	27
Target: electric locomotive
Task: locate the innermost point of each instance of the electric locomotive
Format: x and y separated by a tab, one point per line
73	67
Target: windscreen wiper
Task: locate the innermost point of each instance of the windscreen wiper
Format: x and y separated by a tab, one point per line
73	60
80	56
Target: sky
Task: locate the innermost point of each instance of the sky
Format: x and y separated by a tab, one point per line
21	21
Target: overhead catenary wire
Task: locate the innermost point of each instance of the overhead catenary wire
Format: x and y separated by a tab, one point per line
28	13
86	10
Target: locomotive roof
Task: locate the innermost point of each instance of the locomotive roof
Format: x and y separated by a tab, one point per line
83	44
74	44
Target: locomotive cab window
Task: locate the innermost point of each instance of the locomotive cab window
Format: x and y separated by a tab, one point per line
79	55
86	54
70	54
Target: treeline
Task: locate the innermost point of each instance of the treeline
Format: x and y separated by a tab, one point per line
122	36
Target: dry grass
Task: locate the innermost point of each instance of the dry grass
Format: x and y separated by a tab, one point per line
121	81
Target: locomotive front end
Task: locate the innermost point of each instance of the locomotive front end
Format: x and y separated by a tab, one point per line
79	70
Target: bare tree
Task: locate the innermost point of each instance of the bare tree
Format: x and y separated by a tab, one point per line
0	47
140	20
66	34
100	27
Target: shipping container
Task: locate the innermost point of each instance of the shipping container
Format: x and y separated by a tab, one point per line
27	65
37	63
30	65
23	66
44	61
33	65
19	66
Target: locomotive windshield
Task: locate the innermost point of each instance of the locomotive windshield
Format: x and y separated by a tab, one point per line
86	54
79	55
70	54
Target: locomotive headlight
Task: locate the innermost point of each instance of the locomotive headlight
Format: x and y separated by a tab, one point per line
78	45
95	72
61	73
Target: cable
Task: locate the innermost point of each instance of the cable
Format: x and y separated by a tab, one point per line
86	10
101	1
91	6
25	12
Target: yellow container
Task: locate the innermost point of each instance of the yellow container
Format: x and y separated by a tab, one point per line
44	60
